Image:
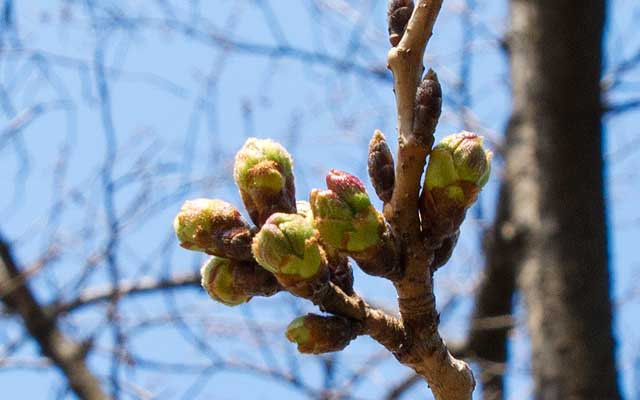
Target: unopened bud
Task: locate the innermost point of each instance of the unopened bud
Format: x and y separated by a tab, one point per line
458	168
458	158
349	223
263	171
428	108
380	166
344	215
288	246
217	280
214	227
315	334
398	17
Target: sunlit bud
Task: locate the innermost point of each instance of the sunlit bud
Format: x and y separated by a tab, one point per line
344	215
398	16
217	280
263	171
214	227
458	168
458	158
315	334
349	188
380	167
287	245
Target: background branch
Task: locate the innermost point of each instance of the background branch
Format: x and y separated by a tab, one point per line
67	355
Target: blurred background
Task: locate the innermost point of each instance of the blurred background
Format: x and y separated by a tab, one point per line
113	113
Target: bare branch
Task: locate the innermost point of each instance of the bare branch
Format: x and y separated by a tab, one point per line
147	285
425	351
67	355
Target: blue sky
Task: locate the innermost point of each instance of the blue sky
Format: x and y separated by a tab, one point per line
181	105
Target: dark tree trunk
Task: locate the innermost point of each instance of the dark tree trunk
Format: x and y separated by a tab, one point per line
491	320
555	168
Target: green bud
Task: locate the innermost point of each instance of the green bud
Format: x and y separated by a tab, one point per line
458	168
315	334
217	280
214	227
344	214
458	157
297	332
263	171
287	245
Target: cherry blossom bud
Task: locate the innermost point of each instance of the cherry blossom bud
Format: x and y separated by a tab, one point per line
214	227
458	168
344	215
217	280
263	171
315	334
380	166
288	246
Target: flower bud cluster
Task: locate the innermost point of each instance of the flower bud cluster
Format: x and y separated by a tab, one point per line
301	247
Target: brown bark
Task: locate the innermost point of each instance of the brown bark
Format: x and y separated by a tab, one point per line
424	350
555	163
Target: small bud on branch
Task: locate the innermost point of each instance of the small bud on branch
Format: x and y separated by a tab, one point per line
217	280
349	223
398	16
428	108
315	334
344	215
288	246
458	168
263	171
214	227
380	166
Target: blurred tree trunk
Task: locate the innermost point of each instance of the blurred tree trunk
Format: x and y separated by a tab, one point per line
491	319
554	169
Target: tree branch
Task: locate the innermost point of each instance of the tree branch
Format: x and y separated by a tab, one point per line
126	288
382	327
424	350
67	355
